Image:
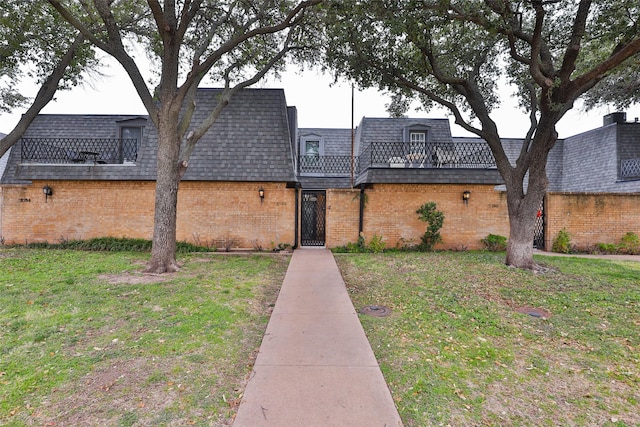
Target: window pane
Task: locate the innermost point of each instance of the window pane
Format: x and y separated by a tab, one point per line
417	142
312	148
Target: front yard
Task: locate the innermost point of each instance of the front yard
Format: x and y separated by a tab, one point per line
85	339
471	342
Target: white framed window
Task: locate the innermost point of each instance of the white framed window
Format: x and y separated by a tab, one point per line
417	142
311	151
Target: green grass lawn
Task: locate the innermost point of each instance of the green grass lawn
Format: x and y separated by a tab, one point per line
86	339
456	350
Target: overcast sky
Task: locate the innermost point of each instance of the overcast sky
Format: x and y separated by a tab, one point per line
319	104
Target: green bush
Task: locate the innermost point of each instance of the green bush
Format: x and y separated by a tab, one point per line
495	243
562	242
607	248
630	244
435	219
376	245
112	244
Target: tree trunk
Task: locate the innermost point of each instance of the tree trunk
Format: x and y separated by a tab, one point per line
523	204
163	252
520	244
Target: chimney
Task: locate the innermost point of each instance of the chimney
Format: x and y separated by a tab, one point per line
614	118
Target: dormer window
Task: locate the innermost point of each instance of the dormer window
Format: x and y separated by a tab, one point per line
311	150
130	133
417	142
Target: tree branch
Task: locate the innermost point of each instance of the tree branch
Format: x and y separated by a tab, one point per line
577	33
44	95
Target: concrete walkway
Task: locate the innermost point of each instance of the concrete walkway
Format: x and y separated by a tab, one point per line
315	366
607	257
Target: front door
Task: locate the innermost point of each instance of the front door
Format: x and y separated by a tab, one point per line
313	217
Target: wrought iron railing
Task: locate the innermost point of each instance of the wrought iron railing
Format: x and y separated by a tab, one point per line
79	150
630	168
327	165
468	154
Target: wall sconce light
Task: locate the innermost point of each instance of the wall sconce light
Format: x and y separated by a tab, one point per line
465	196
261	194
48	191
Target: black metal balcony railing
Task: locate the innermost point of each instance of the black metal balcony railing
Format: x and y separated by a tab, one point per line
630	168
473	155
467	155
327	165
79	150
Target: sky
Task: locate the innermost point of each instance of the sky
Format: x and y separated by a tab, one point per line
320	103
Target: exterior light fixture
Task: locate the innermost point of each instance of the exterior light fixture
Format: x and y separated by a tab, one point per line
47	191
261	194
465	196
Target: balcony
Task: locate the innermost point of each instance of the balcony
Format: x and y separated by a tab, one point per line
380	155
79	150
427	155
328	166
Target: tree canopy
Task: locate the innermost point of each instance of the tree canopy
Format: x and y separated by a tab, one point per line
37	44
231	43
455	53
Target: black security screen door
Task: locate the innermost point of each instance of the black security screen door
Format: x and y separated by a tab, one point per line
538	239
313	218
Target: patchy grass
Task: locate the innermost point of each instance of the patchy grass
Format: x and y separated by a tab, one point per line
85	339
457	352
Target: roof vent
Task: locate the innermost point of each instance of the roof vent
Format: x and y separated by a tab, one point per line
614	118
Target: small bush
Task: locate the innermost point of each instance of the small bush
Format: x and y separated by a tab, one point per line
630	244
607	248
495	243
376	245
435	219
562	242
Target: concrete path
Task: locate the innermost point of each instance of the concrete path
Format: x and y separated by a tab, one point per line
608	257
315	366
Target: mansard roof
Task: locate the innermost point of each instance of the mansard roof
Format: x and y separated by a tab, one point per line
250	141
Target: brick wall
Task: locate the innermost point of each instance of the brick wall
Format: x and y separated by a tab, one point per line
343	213
85	209
390	212
591	218
232	213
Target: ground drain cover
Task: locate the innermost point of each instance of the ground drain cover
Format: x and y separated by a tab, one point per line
534	312
376	310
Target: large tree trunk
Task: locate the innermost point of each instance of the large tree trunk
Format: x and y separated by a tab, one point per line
521	233
163	252
523	203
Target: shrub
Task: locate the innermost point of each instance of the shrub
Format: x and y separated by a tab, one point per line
607	248
495	243
376	245
630	244
435	219
112	244
562	242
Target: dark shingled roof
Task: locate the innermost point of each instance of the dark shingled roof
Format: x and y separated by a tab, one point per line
250	141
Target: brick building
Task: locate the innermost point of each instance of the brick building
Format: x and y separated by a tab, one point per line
257	180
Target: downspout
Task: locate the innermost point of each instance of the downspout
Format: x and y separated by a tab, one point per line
361	220
295	226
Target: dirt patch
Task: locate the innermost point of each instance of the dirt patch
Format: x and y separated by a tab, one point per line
565	394
136	278
106	395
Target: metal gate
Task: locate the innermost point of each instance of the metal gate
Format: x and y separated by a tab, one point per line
538	234
313	218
